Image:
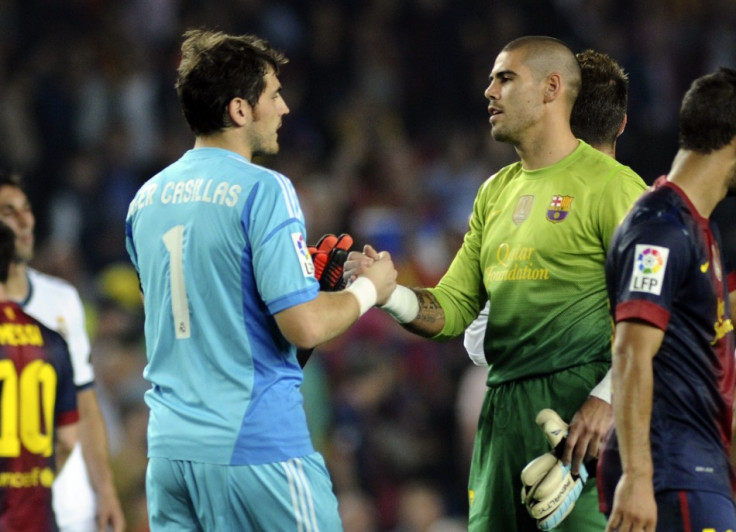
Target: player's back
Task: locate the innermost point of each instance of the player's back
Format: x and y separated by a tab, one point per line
38	394
200	234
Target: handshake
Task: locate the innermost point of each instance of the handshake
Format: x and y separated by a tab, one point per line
373	278
549	490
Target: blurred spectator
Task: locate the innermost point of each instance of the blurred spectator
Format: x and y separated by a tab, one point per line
384	125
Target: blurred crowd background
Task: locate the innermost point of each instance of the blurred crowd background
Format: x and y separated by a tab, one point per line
388	139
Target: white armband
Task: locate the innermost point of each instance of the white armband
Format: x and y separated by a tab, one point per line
403	305
602	390
365	292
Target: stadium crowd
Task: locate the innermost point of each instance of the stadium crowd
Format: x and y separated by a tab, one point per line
388	124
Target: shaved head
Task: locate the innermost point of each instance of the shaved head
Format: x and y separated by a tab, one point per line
546	55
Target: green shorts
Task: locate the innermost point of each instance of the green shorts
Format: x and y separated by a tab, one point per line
508	438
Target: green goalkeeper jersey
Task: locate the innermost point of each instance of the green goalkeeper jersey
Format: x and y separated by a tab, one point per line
536	248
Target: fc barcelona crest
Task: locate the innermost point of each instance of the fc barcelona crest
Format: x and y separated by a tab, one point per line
559	208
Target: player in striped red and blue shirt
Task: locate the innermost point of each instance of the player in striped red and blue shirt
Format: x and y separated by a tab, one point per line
39	410
667	458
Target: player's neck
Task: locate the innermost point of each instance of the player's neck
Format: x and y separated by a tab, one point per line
703	177
16	289
608	149
546	148
226	140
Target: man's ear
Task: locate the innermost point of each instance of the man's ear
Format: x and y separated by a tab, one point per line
240	112
622	126
552	87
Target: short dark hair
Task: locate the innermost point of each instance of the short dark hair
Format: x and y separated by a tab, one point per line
7	251
214	69
544	54
10	179
600	107
708	112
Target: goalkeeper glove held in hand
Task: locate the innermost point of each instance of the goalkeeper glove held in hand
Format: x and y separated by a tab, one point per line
549	490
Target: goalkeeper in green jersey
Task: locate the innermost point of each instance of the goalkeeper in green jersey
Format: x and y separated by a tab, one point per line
535	249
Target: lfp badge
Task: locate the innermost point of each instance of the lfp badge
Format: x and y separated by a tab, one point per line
559	208
650	264
302	253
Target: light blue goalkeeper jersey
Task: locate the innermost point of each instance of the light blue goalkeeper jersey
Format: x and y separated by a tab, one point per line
219	245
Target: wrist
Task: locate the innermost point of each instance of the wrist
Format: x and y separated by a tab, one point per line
402	305
364	292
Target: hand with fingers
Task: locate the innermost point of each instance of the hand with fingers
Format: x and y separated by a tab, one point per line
634	507
588	428
358	262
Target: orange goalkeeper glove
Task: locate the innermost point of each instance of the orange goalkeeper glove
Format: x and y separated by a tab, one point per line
329	256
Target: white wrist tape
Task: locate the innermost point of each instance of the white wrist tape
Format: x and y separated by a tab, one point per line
603	389
403	305
365	292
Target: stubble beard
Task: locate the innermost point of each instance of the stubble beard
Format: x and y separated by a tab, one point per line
731	183
23	257
24	250
263	148
500	135
266	151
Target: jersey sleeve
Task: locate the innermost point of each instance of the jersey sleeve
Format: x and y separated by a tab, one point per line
78	341
647	263
460	292
66	412
276	231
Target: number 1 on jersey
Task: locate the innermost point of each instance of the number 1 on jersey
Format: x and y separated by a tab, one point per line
174	242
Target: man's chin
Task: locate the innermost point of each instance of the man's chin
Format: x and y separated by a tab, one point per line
23	258
273	150
500	136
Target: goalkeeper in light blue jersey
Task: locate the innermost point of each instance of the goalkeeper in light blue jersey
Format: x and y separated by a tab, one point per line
229	289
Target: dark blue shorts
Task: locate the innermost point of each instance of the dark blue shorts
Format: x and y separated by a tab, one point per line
677	510
695	511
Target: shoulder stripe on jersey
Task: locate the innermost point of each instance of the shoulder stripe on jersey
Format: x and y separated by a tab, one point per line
301	496
287	189
289	195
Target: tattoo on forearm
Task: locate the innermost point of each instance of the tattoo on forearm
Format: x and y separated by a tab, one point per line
430	310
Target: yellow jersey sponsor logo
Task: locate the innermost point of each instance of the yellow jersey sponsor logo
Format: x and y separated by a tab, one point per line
27	479
20	334
724	325
704	267
515	264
